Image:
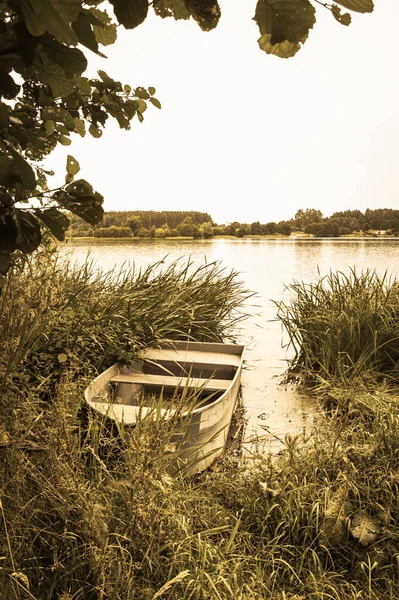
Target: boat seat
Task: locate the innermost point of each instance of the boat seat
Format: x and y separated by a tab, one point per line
191	356
173	382
129	415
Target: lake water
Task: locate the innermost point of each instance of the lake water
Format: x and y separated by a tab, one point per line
265	266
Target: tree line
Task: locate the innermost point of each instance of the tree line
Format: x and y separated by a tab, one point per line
196	224
161	224
340	223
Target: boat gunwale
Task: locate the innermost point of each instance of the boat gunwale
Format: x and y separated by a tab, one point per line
172	411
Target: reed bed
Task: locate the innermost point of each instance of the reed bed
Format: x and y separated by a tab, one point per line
55	316
92	511
344	327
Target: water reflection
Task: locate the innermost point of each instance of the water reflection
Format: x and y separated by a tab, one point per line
267	267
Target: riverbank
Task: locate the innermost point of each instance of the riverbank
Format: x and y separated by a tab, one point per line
90	514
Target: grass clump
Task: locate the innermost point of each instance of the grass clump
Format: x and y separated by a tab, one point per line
55	316
344	327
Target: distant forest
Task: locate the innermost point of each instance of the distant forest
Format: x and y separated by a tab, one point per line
194	224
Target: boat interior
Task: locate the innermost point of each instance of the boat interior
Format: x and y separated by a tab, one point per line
160	379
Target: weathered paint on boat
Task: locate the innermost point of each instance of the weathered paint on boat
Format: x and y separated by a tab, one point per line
211	370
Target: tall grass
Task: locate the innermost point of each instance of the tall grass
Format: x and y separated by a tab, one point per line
55	316
89	514
90	511
344	327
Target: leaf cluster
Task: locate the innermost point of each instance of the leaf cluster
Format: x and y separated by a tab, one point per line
284	25
44	98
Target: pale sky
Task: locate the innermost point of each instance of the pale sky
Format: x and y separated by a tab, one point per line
246	136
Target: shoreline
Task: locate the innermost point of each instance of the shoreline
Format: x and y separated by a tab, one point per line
134	240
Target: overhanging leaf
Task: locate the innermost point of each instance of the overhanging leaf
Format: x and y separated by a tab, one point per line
95	131
140	105
205	12
362	6
155	102
4	110
65	141
141	92
72	60
83	29
171	8
53	16
34	23
8	234
5	260
365	528
51	74
49	126
67	9
8	88
80	199
283	50
72	165
88	207
285	20
5	163
343	18
21	170
79	188
79	126
111	84
29	235
55	220
130	13
103	28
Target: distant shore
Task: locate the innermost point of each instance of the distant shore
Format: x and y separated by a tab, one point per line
102	240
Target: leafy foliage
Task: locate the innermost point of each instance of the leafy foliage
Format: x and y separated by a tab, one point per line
44	99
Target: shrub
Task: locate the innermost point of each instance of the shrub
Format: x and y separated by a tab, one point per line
113	232
159	232
83	233
143	232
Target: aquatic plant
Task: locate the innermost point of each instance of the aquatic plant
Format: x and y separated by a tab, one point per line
343	326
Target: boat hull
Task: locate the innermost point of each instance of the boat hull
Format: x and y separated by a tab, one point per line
212	370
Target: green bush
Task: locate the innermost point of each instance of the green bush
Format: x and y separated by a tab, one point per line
83	233
143	232
113	232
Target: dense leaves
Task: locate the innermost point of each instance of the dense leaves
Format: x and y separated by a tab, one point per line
38	44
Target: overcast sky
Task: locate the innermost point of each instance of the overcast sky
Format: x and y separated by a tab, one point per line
251	137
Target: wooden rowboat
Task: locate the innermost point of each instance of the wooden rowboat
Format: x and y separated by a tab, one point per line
199	380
